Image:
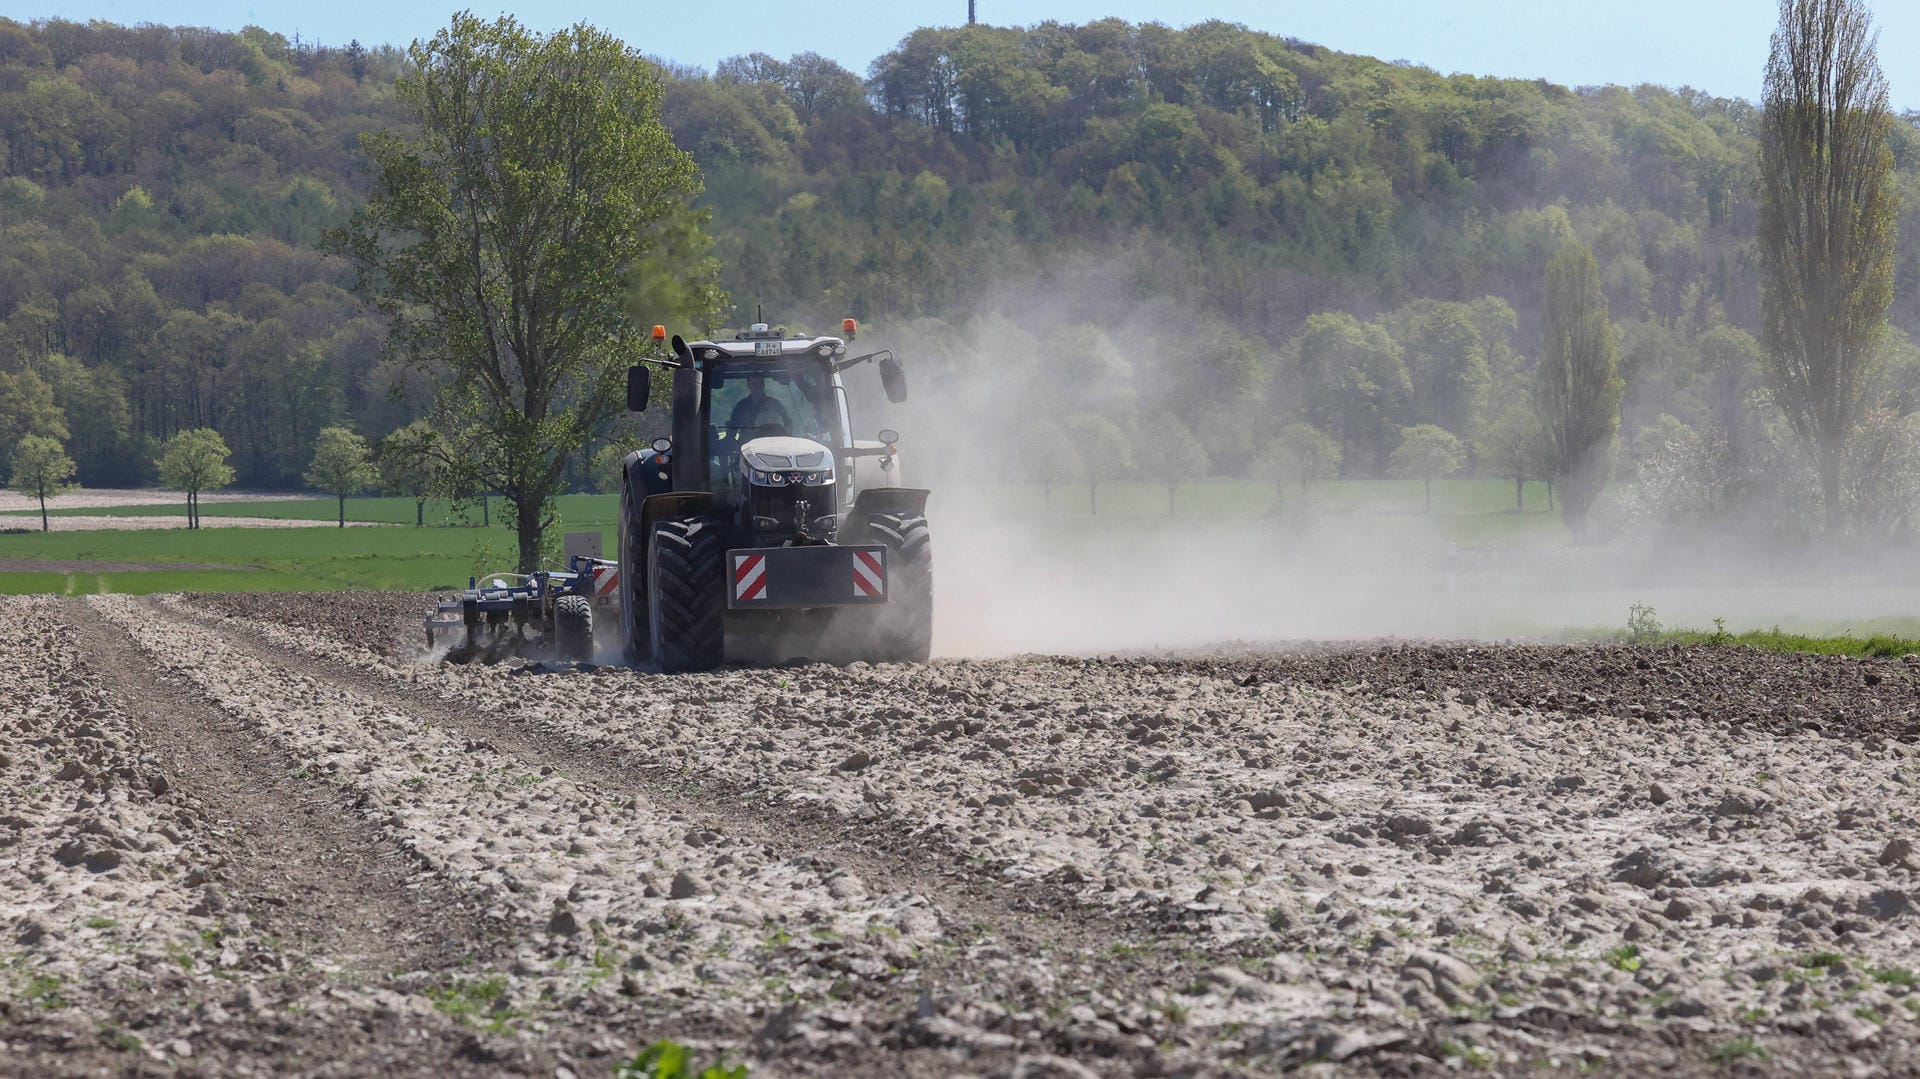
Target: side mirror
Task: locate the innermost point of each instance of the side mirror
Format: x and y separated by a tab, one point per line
681	352
893	379
662	444
639	385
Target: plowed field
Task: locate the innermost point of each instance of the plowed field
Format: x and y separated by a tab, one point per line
254	834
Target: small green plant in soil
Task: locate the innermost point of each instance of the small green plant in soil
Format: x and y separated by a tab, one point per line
1643	626
43	991
668	1059
1739	1049
468	999
1625	957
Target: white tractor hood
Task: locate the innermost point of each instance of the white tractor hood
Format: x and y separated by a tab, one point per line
785	453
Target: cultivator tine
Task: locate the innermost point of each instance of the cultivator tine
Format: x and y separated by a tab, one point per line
514	615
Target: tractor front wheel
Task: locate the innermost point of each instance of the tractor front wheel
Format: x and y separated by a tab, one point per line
686	597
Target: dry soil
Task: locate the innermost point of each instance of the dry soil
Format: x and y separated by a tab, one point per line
262	834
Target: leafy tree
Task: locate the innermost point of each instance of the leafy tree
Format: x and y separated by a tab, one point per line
341	466
1730	370
1304	456
1050	455
1353	382
1827	223
1446	361
94	402
193	461
1515	447
1427	453
27	408
606	473
410	462
1104	450
41	469
1882	476
1579	382
1175	454
502	239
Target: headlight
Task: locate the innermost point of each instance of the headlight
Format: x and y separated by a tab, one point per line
820	479
768	479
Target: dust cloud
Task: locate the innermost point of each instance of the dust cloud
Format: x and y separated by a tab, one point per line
1079	586
994	394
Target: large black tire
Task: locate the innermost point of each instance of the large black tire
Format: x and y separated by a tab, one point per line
573	628
904	630
686	595
633	593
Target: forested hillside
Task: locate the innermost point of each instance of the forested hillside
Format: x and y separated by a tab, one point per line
1308	235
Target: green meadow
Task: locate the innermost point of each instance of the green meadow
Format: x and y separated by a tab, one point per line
454	544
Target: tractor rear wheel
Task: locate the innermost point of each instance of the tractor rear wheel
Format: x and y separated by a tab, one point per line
686	599
904	632
573	628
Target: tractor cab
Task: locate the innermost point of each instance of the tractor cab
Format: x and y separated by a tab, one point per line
775	427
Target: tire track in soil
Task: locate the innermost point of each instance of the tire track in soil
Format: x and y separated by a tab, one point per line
858	846
306	870
1119	951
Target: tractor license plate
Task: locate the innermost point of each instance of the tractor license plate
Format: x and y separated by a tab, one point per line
766	348
773	578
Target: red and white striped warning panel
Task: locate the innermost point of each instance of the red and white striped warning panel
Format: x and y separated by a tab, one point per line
869	578
749	576
605	580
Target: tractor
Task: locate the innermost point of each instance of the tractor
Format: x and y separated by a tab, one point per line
762	525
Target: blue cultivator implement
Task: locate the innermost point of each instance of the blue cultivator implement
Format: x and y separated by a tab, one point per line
547	613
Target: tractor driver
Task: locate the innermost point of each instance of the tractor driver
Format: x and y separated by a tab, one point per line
758	412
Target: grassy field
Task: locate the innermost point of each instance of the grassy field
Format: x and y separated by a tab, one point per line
1846	643
1201	498
1875	637
442	555
1353	516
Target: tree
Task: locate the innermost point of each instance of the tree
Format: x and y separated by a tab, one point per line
1446	361
1177	454
1304	456
1051	455
411	461
1103	449
1882	481
1515	447
1827	224
1579	382
606	472
94	401
1427	453
27	408
41	469
1353	382
340	466
193	461
503	239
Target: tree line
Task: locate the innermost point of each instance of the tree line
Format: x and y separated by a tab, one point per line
1341	252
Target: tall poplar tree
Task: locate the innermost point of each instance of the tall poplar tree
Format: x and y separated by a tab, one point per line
1580	384
1827	224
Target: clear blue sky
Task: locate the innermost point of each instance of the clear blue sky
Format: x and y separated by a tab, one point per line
1714	45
